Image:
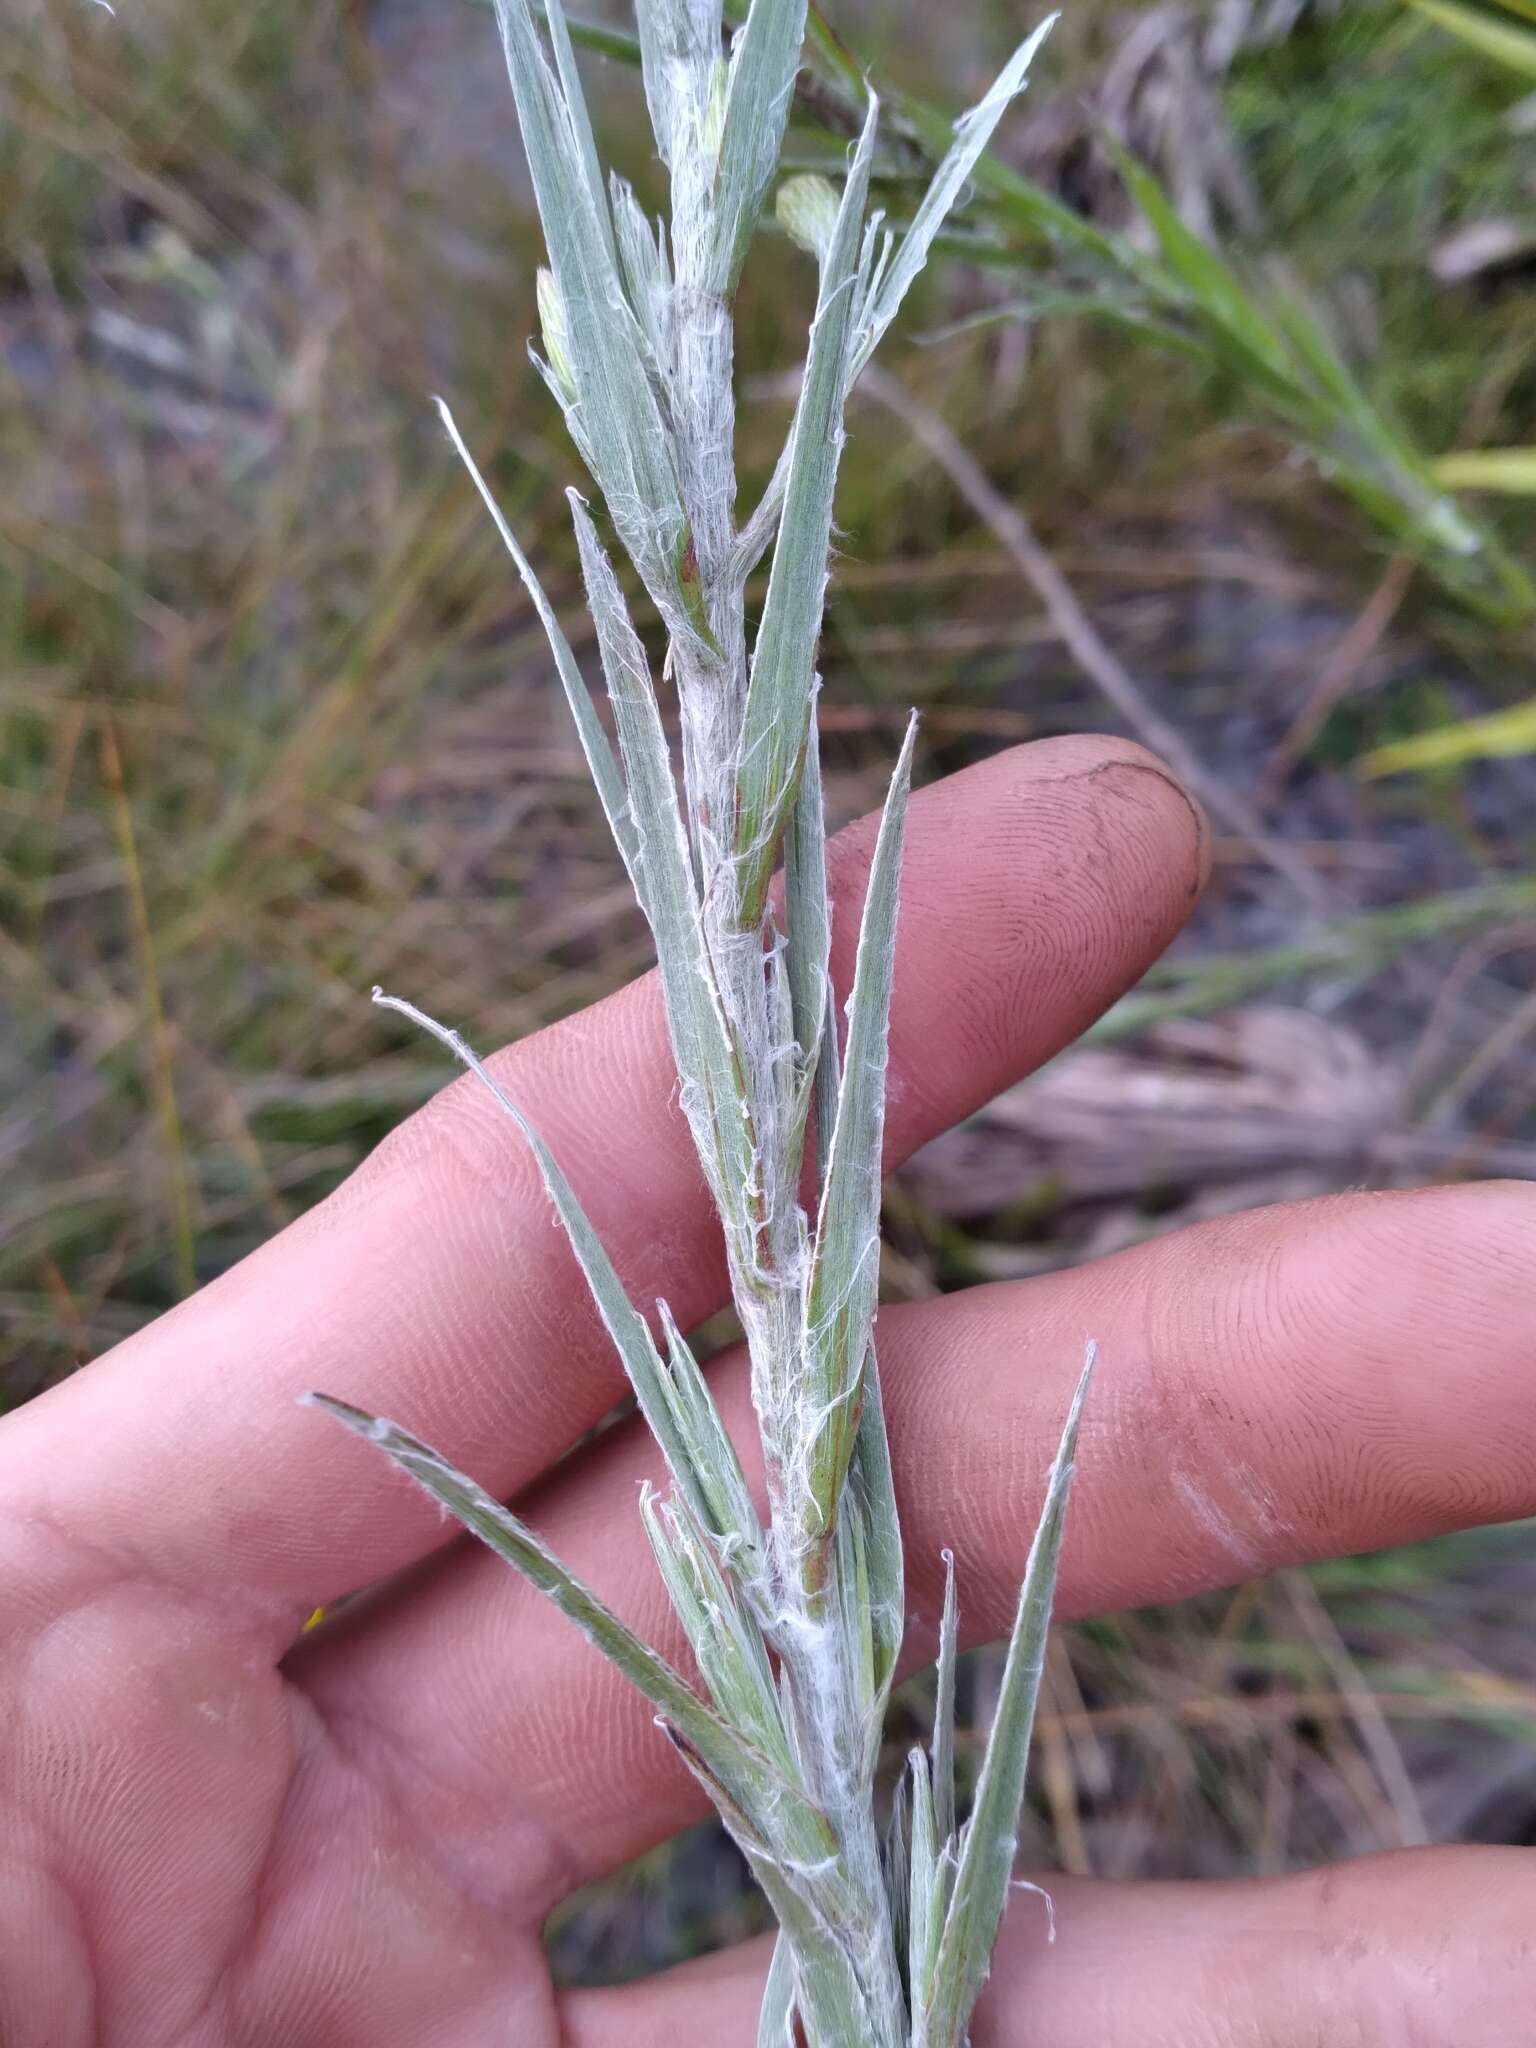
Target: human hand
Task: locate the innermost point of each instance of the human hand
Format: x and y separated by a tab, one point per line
214	1834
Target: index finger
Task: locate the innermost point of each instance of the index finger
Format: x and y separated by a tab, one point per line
434	1286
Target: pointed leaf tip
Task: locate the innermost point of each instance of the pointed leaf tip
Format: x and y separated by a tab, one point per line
989	1839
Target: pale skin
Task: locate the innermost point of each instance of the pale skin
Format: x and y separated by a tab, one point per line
215	1835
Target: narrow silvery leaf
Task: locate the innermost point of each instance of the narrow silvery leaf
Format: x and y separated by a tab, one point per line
831	2001
874	1489
777	713
845	1270
654	1389
973	131
718	1492
646	270
776	2021
770	1817
810	937
511	1539
990	1836
853	1588
727	1645
874	261
759	91
559	33
887	271
700	1038
925	1914
897	1859
594	741
620	425
944	1707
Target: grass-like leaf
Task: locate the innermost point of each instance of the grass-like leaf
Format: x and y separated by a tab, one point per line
722	1752
759	93
617	416
840	1299
700	1035
727	1643
602	766
1510	471
674	1415
717	1490
777	714
973	131
925	1912
944	1707
988	1840
1498	736
872	1495
776	2021
1492	31
810	940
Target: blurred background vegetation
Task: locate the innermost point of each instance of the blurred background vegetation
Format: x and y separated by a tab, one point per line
276	723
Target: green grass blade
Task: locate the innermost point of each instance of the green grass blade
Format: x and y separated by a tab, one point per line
987	1844
1510	471
759	94
1498	736
841	1291
602	38
777	713
1212	286
1488	30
